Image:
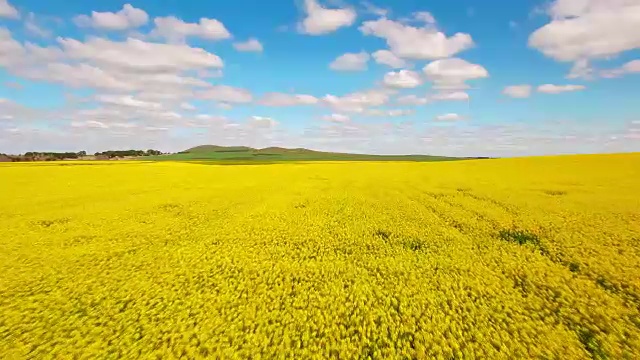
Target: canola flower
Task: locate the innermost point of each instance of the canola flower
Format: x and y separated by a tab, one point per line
509	258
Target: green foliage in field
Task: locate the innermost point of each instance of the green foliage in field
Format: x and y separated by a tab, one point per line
491	259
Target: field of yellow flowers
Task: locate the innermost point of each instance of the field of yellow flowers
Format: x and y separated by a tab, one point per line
497	259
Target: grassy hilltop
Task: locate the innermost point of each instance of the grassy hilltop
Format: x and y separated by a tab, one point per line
276	154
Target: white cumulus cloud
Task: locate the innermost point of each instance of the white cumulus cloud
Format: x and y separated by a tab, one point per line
8	11
449	117
412	100
556	89
630	67
262	122
226	94
280	99
338	118
424	16
453	73
450	96
356	102
187	106
127	18
320	20
388	58
251	45
588	29
134	54
350	62
517	91
128	101
404	79
89	124
388	112
32	27
421	43
176	30
156	71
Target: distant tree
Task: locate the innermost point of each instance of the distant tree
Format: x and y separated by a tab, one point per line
51	156
123	153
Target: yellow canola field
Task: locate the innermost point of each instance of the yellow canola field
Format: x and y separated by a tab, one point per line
496	259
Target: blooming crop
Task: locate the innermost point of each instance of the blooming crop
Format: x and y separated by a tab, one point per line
508	258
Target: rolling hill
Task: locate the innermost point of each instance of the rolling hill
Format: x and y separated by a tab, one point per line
244	154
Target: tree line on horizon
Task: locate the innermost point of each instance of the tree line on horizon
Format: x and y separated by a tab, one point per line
53	156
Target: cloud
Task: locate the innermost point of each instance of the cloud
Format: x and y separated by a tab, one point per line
320	20
421	43
280	99
581	69
630	67
187	106
132	65
128	101
425	17
261	122
12	51
399	112
89	124
369	8
337	118
127	18
588	29
81	76
175	30
403	79
356	102
389	112
120	115
556	89
251	45
388	58
92	124
350	62
137	55
204	121
450	96
11	110
33	28
517	91
226	94
156	128
412	100
16	55
210	117
452	73
449	117
632	130
154	72
8	11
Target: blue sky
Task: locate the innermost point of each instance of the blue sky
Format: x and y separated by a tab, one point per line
458	77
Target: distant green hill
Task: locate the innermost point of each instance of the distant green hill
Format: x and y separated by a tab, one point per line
244	154
215	148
